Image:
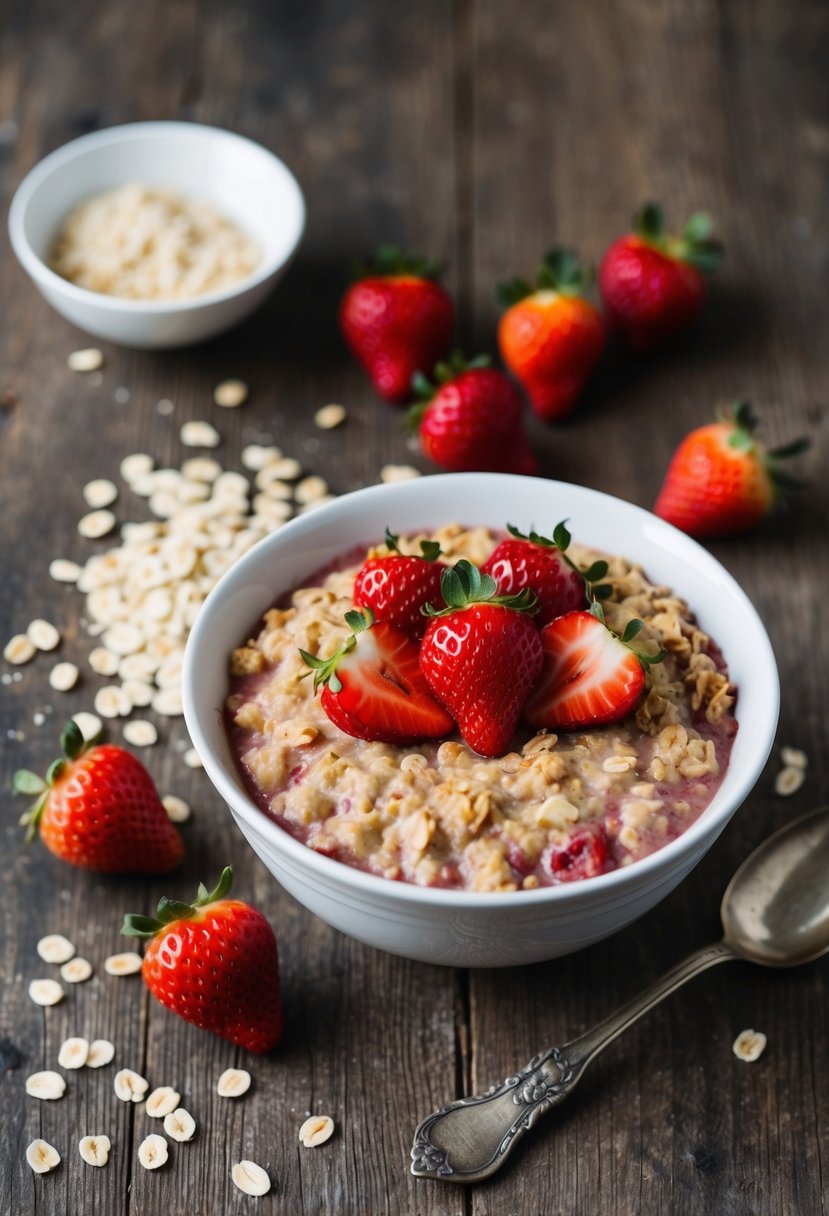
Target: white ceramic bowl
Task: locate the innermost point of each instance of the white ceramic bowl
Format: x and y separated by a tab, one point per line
242	180
460	927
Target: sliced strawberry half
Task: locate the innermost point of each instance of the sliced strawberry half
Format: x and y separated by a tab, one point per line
590	675
396	586
373	689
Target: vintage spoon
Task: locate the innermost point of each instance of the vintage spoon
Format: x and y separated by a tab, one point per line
775	911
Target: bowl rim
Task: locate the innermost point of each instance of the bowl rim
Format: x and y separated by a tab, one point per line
39	174
700	835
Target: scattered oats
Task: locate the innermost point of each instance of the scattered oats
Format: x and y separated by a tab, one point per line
88	724
100	493
139	692
167	702
255	456
310	489
76	971
164	406
64	571
45	992
44	634
88	360
273	487
230	484
272	508
169	673
164	503
130	1086
180	1125
42	1157
197	434
19	649
122	395
138	464
123	964
140	732
101	1052
329	416
73	1053
317	502
201	468
398	472
94	1150
230	393
250	1178
96	524
153	1151
233	1083
177	809
55	948
286	467
789	781
112	702
162	1101
316	1130
38	718
749	1045
63	677
48	1086
793	757
139	666
192	758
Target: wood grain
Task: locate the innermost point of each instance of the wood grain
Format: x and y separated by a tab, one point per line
484	136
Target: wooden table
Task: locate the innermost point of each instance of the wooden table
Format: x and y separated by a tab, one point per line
481	134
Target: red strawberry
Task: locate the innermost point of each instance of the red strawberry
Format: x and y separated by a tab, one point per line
98	809
214	962
481	656
551	338
472	421
396	587
590	676
585	855
373	688
721	480
542	564
653	285
397	320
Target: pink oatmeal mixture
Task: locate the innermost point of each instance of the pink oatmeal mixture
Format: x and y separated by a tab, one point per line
437	814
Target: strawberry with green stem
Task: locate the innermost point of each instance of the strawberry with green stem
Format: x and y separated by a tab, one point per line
98	809
395	586
214	962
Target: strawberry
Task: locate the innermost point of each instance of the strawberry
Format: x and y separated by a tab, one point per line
471	422
550	337
653	285
397	320
721	480
585	855
214	962
481	656
395	587
542	564
373	689
98	809
590	675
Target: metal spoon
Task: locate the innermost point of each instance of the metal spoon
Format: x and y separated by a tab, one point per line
775	911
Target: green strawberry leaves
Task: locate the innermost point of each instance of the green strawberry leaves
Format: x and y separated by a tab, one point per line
464	584
560	271
170	910
430	550
695	244
390	260
25	782
325	670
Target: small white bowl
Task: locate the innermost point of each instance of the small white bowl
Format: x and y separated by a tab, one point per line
239	178
465	928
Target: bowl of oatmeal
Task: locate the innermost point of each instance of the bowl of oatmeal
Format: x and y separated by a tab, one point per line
157	234
429	850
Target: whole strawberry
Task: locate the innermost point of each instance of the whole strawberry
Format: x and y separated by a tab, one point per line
471	422
397	585
653	285
397	320
721	480
550	337
541	563
481	655
98	809
214	962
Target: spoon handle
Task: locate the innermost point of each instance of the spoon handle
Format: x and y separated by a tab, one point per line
471	1138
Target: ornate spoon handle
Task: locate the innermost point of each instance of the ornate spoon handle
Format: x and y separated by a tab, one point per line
470	1139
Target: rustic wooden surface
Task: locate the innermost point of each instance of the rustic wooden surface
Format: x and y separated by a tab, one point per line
481	134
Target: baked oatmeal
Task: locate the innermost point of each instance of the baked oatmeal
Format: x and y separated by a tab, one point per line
554	808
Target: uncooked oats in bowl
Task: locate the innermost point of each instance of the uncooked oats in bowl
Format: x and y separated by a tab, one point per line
220	215
493	916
